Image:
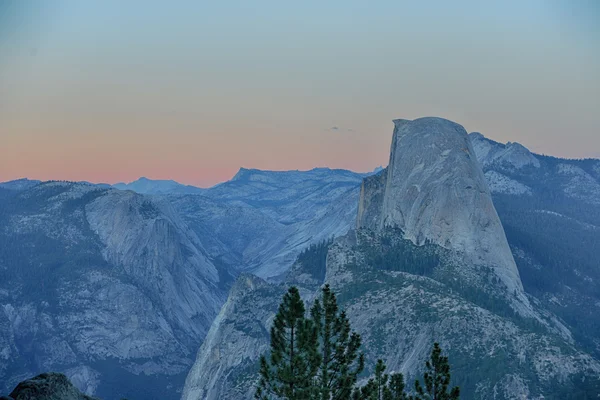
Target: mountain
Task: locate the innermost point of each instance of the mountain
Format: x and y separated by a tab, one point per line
551	215
118	289
150	186
435	192
259	221
407	282
268	217
109	287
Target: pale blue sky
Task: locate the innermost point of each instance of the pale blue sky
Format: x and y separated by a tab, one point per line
111	90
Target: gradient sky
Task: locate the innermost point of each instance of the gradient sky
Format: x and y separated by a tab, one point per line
108	91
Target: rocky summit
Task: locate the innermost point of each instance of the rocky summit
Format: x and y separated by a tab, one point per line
434	190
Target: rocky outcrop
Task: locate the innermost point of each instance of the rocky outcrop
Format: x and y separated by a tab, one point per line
160	253
48	386
510	155
400	315
370	203
435	191
238	336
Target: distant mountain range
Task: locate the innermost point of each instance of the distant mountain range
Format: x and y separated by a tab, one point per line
148	186
119	288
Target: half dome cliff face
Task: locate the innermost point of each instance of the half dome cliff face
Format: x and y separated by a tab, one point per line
434	190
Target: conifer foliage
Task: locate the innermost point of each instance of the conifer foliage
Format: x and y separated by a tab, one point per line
339	347
319	358
382	386
294	360
436	379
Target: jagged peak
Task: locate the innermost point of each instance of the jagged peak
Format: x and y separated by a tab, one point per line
511	154
143	179
476	136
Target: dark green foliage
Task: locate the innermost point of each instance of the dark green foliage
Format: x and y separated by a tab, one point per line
583	388
314	258
394	253
339	347
561	257
382	386
378	385
294	359
36	262
319	358
396	388
494	303
436	379
555	240
391	252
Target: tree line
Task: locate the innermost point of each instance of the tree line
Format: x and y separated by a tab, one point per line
318	357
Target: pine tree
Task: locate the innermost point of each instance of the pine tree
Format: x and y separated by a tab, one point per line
319	358
396	387
341	362
381	391
294	360
436	379
382	386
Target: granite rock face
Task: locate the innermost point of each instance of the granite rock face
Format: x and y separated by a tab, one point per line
109	287
237	337
259	221
435	191
48	386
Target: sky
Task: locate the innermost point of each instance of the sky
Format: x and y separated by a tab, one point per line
108	91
